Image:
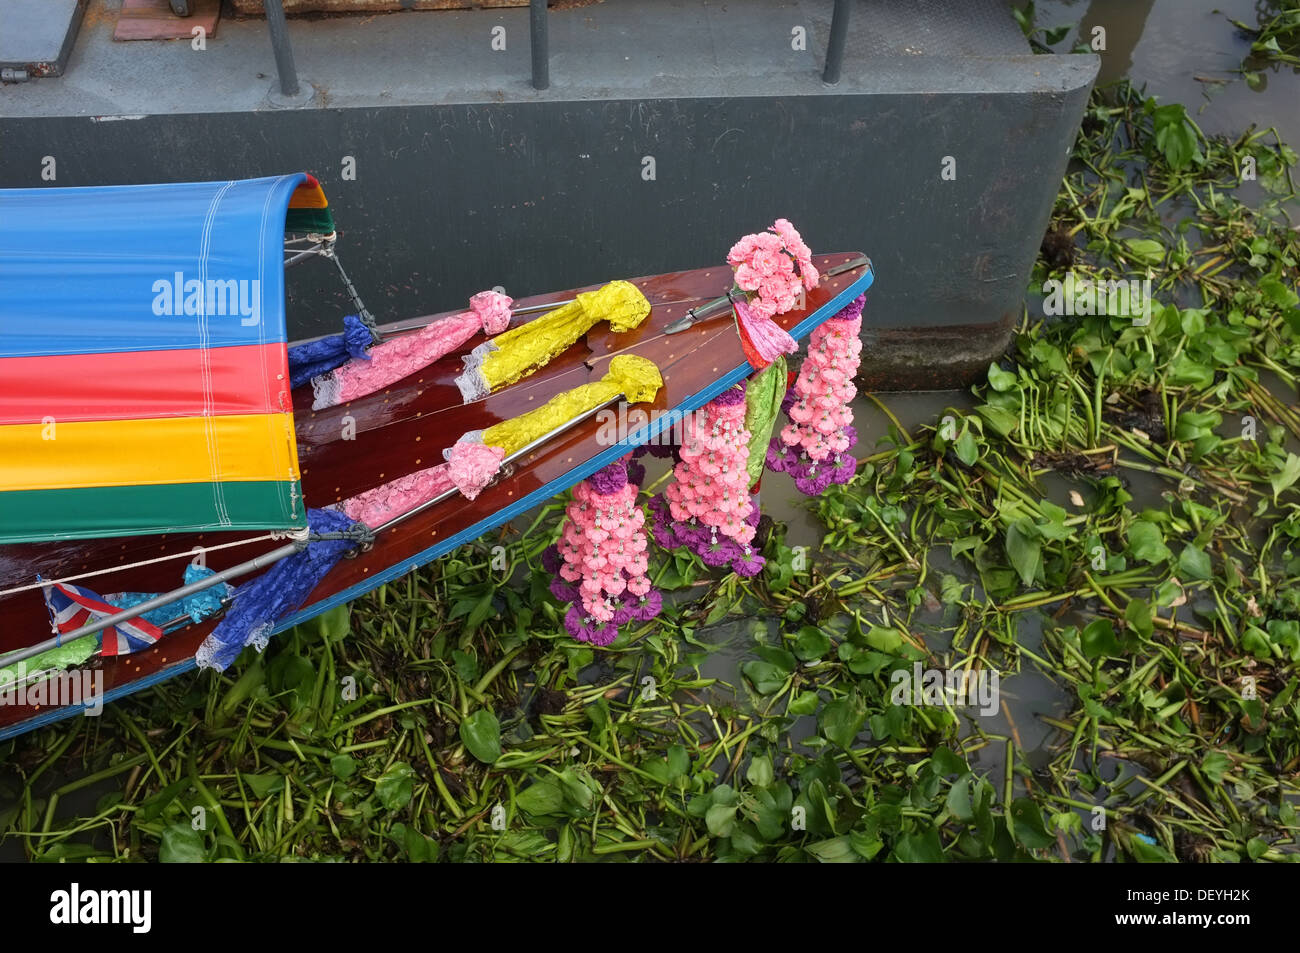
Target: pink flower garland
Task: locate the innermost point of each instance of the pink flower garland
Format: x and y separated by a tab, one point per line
707	507
775	266
812	447
601	559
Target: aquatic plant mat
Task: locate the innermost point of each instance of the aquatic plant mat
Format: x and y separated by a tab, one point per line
1104	536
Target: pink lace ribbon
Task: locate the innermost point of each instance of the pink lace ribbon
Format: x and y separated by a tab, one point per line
473	465
768	338
383	503
469	468
404	355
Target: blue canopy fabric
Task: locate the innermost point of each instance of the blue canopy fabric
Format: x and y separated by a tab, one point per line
144	385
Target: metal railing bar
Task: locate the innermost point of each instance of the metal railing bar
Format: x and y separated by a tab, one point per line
835	46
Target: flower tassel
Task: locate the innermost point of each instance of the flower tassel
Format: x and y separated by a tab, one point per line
761	338
814	447
600	563
708	507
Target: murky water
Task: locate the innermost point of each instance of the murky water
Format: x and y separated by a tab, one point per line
1183	52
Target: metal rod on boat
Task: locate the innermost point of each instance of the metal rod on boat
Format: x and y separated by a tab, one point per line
540	44
835	48
448	494
706	309
303	255
283	51
252	565
412	324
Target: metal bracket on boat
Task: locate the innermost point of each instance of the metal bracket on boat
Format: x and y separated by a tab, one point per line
316	244
698	314
708	309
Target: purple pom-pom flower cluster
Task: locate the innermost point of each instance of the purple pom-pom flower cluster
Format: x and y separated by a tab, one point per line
600	563
814	447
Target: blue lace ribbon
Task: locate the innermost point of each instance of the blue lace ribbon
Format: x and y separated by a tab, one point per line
279	591
316	357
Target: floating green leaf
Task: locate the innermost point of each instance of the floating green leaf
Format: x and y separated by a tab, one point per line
395	787
481	733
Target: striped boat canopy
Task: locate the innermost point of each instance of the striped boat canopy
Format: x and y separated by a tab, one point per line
144	383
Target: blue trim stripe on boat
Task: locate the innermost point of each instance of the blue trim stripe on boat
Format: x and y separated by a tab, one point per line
581	472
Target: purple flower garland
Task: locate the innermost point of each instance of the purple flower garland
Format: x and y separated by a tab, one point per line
819	457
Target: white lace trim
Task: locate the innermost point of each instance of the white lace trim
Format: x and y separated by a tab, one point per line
473	385
203	657
476	357
472	436
326	390
260	636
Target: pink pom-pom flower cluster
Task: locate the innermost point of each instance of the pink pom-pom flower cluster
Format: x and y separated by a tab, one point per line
775	266
708	507
493	310
812	447
601	560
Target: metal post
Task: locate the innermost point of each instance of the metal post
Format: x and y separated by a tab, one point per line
540	44
283	51
835	48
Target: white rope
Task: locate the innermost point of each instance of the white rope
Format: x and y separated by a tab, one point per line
197	550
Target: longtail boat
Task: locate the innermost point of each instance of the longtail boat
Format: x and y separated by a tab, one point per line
151	433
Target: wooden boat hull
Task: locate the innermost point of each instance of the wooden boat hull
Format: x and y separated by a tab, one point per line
358	445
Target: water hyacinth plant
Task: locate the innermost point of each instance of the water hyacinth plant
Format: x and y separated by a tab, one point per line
1096	520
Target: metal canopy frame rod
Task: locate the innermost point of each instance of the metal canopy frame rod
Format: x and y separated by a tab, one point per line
835	47
540	44
283	51
158	601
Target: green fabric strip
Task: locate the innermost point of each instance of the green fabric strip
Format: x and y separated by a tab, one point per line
35	515
61	657
763	399
309	220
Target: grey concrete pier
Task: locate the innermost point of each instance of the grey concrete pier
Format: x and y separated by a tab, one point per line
668	129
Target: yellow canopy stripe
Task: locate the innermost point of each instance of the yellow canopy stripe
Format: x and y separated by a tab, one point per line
148	452
636	378
520	351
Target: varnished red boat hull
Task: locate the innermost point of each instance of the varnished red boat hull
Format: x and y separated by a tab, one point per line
401	430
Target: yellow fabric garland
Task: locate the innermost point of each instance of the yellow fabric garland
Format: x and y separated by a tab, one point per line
634	377
520	351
